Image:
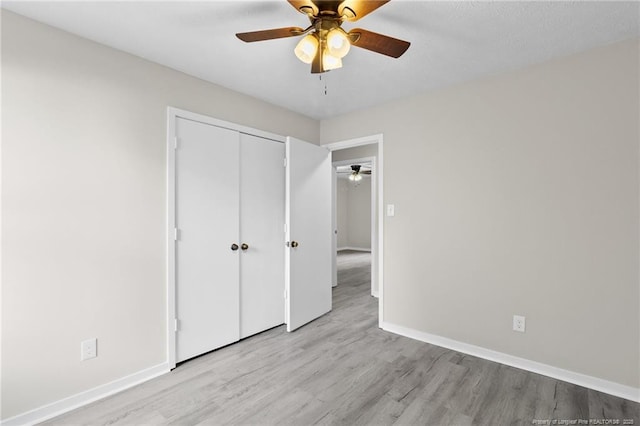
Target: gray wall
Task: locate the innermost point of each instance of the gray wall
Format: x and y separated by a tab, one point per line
342	212
523	200
84	206
354	153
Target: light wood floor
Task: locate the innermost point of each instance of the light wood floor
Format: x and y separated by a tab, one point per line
342	369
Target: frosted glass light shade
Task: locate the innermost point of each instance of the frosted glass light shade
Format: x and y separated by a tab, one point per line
330	62
307	48
337	43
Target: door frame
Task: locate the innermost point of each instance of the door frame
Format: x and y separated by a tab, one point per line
171	236
369	140
372	206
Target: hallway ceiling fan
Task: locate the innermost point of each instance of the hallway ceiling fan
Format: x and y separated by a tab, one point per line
356	172
326	43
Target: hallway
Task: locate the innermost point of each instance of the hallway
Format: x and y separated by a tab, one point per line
353	293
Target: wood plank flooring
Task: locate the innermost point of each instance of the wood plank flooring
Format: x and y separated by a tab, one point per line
342	369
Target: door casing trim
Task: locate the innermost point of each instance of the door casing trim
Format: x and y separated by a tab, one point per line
370	140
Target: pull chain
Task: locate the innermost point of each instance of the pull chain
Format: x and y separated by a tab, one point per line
325	84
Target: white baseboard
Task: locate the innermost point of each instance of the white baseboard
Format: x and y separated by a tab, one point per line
612	388
354	249
62	406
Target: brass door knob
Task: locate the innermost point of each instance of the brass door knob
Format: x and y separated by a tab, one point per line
294	244
244	246
234	247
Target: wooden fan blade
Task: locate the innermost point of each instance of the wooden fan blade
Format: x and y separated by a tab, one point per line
365	172
378	43
270	34
352	10
304	6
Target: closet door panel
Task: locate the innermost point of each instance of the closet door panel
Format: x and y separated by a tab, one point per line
207	212
262	229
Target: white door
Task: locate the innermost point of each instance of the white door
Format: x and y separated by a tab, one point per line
207	217
261	234
334	227
308	216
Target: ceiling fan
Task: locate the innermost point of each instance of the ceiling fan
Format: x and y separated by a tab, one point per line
356	172
326	43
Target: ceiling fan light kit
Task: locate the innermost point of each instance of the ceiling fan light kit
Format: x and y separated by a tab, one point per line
356	177
330	62
307	48
328	42
337	43
325	42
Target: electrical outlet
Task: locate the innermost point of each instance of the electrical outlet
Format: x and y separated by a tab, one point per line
518	323
88	349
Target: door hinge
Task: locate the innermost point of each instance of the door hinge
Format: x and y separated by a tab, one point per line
284	163
176	324
175	142
176	234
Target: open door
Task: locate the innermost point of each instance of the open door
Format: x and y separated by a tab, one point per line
308	232
334	227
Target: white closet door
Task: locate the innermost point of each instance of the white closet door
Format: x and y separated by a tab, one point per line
207	212
261	229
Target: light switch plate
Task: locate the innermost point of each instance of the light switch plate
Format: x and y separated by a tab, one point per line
391	210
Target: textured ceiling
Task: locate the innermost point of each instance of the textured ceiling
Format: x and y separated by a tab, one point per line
451	42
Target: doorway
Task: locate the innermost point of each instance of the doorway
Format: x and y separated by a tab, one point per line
354	213
351	152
